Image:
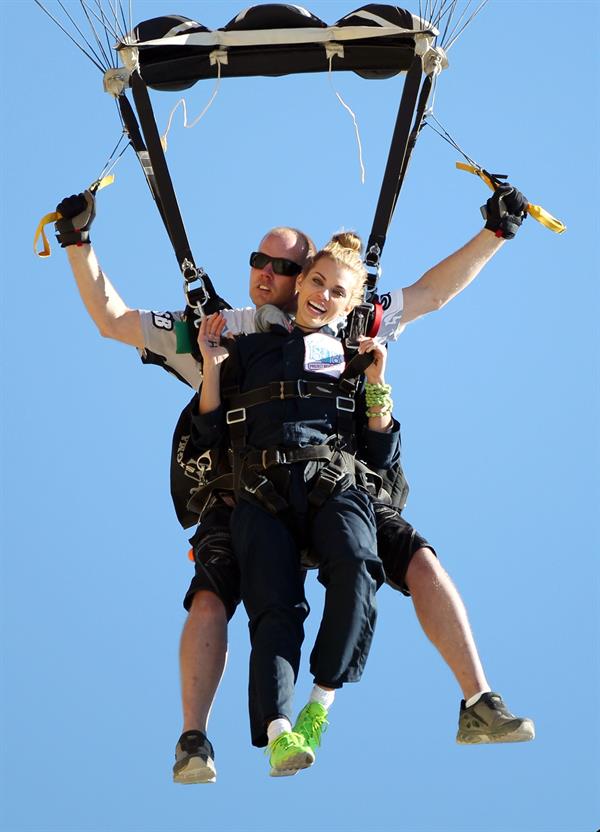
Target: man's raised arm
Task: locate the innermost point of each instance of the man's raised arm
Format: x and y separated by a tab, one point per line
105	306
506	210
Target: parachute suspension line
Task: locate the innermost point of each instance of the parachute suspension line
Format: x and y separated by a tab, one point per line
115	25
95	60
105	29
130	28
448	22
331	53
454	36
458	21
123	20
446	7
436	10
102	54
112	162
445	135
163	138
447	10
103	20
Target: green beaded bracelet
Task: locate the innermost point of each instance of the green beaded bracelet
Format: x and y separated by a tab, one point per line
378	395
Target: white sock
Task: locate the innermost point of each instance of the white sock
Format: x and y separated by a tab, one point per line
476	697
322	696
277	727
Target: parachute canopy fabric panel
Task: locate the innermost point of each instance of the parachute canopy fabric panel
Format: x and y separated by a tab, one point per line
375	41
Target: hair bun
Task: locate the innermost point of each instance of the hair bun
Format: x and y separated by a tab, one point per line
348	239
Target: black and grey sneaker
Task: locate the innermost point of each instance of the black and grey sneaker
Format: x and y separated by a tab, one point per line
194	759
489	720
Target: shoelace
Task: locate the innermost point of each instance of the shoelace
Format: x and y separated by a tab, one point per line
284	741
313	727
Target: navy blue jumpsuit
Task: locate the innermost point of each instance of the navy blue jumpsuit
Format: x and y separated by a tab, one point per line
341	534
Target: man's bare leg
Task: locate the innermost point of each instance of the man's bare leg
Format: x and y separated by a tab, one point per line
202	658
444	620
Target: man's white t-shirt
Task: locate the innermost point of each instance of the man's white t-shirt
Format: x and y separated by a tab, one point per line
160	338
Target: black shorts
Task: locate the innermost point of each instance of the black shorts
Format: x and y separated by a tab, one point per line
216	566
397	542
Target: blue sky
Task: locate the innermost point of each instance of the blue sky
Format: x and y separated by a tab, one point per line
497	394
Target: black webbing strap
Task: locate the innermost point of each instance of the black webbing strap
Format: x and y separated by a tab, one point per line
416	129
200	496
340	465
132	127
286	456
395	169
171	213
206	295
298	389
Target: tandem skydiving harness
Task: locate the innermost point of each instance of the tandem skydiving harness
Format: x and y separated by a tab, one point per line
253	468
197	481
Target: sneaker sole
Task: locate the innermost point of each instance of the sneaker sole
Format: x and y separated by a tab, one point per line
294	765
524	733
195	774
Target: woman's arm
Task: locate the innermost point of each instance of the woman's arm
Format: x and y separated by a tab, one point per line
379	402
208	422
213	355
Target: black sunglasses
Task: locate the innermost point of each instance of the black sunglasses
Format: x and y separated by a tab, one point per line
280	265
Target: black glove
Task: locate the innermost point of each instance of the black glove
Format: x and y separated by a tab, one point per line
504	211
78	212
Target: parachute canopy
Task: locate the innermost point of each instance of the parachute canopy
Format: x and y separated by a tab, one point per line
375	41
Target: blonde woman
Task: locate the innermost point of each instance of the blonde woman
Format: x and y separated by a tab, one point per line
277	513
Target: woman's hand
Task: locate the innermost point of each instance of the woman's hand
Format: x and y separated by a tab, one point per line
375	372
209	338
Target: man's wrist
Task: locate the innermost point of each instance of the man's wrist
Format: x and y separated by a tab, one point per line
73	238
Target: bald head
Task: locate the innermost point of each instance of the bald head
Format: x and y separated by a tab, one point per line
268	287
299	245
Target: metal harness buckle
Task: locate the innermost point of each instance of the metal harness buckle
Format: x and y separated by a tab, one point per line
277	459
345	403
252	489
301	394
232	417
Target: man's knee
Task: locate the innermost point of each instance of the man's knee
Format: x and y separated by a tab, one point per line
207	607
424	568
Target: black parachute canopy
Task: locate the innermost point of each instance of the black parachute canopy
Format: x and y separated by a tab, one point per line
375	41
173	52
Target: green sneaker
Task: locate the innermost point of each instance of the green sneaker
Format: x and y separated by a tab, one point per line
489	720
288	754
311	723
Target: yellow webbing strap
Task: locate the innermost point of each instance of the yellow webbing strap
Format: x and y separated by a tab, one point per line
54	216
537	212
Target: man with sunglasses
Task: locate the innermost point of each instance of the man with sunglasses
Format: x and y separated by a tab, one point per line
212	597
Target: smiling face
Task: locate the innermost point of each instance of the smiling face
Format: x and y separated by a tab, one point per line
325	292
265	285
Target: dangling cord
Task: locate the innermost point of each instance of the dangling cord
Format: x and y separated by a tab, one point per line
334	49
215	57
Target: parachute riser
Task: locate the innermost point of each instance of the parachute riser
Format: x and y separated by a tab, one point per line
202	299
413	101
403	142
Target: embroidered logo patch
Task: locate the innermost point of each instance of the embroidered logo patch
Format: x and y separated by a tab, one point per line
324	354
162	320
